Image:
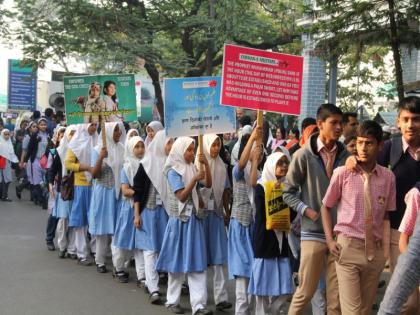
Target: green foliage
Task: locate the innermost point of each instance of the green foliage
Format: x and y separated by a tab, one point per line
168	37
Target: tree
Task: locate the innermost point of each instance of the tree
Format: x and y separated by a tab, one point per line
167	37
388	23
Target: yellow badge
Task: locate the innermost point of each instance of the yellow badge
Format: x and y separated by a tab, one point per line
381	200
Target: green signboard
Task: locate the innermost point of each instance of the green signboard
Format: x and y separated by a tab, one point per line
112	96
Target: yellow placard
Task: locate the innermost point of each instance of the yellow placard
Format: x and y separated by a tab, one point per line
277	211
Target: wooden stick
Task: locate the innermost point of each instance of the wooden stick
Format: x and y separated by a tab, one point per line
200	149
103	132
259	124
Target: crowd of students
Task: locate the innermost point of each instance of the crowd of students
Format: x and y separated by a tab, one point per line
179	212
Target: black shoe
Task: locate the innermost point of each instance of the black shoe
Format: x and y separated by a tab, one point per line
203	311
6	199
101	269
120	276
155	298
84	262
223	306
51	246
72	256
62	254
141	283
176	309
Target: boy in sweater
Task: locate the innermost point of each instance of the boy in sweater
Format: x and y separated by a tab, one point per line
306	184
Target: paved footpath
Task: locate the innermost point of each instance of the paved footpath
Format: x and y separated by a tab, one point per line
35	281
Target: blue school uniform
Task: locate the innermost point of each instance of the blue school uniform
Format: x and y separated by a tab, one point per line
125	231
240	253
103	205
271	277
61	208
184	248
80	206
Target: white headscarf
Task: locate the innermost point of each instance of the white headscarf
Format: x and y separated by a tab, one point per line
131	162
177	162
217	168
153	163
81	145
269	170
128	136
156	126
6	148
269	174
246	130
115	159
64	144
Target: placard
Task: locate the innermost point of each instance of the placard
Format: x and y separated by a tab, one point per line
192	107
87	97
22	86
259	79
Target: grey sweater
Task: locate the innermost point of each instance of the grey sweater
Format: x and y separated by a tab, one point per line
306	184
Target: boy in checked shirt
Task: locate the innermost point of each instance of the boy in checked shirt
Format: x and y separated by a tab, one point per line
363	199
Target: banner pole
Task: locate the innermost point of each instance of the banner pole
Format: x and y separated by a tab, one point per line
103	132
259	124
200	148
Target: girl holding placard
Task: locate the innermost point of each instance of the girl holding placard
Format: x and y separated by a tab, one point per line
184	246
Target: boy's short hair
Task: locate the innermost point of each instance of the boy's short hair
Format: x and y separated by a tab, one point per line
347	115
349	139
410	103
370	128
307	122
326	110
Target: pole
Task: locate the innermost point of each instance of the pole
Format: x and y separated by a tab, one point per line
200	148
103	132
259	124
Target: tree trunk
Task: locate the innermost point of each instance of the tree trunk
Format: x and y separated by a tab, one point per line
395	45
154	75
210	47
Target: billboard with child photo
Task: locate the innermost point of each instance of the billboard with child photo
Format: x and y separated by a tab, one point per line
87	97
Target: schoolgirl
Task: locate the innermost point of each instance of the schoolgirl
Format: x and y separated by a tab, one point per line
31	129
78	158
151	129
240	254
124	236
150	217
7	157
214	225
61	210
51	153
106	163
183	248
271	274
37	146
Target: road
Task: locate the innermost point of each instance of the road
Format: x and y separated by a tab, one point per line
35	281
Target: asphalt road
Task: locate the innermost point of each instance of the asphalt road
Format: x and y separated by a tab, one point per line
35	281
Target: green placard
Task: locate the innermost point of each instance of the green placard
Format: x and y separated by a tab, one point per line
87	97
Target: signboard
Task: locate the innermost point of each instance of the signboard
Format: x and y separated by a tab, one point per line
259	79
113	96
3	103
192	107
22	86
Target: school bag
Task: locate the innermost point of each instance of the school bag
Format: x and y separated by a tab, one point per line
277	212
67	187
